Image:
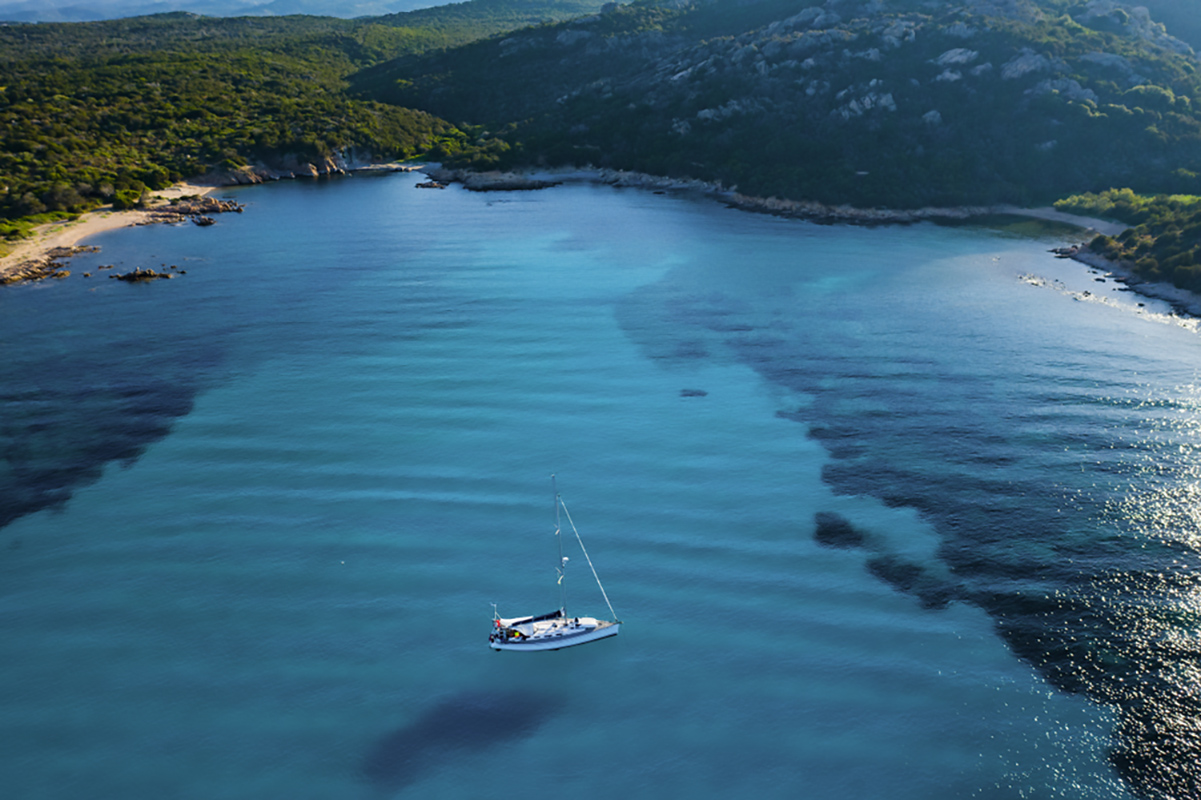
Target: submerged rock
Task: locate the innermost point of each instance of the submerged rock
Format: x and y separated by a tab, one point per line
834	530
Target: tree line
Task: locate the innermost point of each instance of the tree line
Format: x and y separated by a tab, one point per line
96	113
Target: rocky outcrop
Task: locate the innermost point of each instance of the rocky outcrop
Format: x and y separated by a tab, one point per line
491	181
288	166
195	209
292	166
47	265
1132	19
640	180
141	276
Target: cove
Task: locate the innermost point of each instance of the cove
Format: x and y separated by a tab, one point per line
273	500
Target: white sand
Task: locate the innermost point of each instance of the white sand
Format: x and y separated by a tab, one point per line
70	233
1050	214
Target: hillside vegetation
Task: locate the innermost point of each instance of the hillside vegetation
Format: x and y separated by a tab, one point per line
96	112
899	104
886	103
1164	240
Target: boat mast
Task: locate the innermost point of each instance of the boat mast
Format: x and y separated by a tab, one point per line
580	539
561	569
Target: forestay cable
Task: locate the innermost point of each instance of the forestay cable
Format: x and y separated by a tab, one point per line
567	514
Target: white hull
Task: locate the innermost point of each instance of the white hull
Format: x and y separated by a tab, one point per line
552	635
555	630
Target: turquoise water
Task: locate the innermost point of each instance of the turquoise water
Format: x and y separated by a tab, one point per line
257	515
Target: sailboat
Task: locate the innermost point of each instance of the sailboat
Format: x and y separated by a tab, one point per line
555	630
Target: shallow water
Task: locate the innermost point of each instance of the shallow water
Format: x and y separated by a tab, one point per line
256	515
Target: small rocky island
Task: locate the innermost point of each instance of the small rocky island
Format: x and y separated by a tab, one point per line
141	276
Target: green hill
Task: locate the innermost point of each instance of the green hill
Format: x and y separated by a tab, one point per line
900	104
1164	240
893	103
95	112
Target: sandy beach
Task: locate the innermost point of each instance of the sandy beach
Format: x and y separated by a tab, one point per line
1049	214
71	233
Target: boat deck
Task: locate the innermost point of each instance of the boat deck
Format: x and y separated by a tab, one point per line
550	634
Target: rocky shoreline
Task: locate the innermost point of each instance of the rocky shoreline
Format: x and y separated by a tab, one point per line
46	265
1183	302
515	180
490	181
292	167
821	212
196	208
